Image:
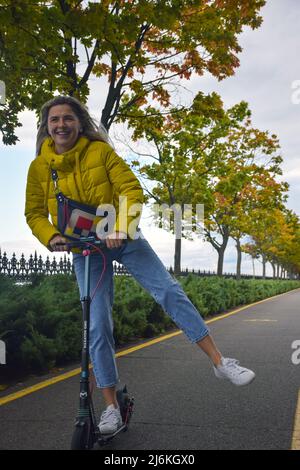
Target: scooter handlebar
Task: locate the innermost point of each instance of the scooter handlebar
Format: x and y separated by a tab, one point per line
83	243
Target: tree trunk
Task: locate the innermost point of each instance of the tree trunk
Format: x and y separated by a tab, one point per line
253	267
177	257
220	248
221	252
281	272
264	263
239	258
274	270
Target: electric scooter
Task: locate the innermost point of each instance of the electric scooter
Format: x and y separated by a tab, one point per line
86	432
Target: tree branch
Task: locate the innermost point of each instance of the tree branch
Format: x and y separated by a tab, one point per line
90	66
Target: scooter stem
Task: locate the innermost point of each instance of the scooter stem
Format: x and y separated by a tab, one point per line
86	301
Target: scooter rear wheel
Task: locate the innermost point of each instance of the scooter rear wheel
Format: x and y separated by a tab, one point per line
125	404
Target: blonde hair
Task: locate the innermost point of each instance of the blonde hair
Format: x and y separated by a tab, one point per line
89	126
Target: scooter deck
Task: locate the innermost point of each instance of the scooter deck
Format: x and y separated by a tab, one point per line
103	439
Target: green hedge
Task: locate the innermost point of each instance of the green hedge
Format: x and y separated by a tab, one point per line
41	322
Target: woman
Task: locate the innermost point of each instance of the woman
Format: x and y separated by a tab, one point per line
91	172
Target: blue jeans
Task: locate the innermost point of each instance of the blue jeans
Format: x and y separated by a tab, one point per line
145	266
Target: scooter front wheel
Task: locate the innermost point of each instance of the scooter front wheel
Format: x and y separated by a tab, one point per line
83	438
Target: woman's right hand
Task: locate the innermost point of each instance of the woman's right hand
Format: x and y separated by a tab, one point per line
58	239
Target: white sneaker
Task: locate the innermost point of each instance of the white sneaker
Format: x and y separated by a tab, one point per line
110	420
231	370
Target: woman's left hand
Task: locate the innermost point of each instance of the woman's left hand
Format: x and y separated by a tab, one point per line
115	239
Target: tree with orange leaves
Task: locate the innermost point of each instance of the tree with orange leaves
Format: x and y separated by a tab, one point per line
140	48
275	238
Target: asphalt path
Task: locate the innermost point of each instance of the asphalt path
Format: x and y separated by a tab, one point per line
179	404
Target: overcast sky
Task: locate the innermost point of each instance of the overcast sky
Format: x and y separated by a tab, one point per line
269	68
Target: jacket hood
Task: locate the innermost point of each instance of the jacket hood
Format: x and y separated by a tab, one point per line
65	162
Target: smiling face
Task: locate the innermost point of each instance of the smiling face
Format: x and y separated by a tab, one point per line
64	127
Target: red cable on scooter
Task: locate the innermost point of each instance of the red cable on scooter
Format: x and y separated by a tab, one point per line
103	270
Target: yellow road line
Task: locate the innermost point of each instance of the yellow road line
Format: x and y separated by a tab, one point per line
67	375
39	386
296	431
148	343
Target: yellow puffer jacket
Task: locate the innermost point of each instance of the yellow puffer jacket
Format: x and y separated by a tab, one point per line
91	172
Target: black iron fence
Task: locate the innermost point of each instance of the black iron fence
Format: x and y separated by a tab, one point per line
22	269
204	273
